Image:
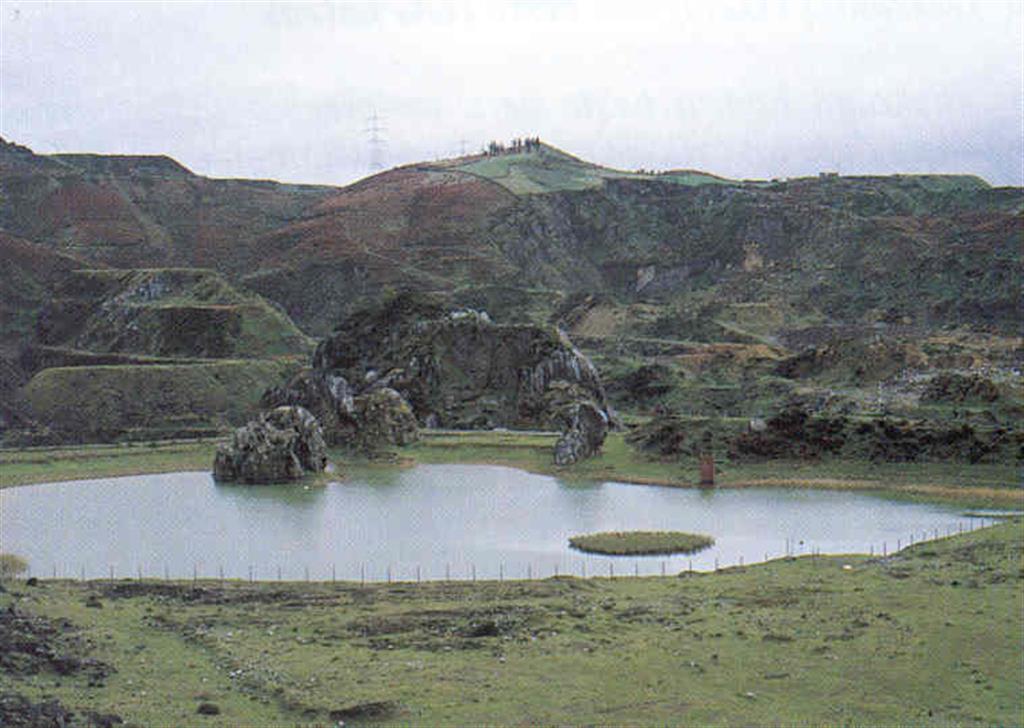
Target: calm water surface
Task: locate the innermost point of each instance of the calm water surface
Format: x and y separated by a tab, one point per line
434	519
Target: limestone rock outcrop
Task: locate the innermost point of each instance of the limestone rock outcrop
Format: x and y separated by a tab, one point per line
280	445
587	426
327	395
378	418
459	369
382	418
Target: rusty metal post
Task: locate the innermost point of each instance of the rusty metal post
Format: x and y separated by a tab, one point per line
707	470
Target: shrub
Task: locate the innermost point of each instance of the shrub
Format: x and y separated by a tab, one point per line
11	565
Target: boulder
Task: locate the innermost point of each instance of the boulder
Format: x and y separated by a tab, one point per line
368	422
282	444
326	394
584	435
381	417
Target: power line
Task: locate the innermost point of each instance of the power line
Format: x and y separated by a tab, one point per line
376	141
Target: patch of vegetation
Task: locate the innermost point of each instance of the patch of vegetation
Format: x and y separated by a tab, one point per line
11	565
107	403
977	485
25	466
638	543
549	169
166	312
929	636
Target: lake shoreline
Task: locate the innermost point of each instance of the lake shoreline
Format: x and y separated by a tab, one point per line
812	626
530	451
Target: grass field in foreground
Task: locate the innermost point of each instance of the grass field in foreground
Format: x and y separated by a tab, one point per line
931	636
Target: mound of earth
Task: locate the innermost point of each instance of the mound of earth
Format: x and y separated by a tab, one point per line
459	369
156	401
172	312
282	444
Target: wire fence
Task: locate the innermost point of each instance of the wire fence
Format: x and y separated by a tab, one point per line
611	567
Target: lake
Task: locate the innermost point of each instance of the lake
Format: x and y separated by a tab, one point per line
429	522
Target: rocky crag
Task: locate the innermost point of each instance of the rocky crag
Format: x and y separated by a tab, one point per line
368	423
459	369
388	370
282	444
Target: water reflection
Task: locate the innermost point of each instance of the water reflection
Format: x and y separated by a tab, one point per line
431	520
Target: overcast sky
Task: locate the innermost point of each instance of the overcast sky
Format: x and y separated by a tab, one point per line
748	90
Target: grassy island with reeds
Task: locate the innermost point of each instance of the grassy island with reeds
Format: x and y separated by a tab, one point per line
641	543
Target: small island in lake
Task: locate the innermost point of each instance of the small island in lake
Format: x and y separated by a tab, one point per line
641	543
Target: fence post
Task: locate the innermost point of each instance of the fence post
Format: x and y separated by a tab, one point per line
334	574
529	572
306	570
611	570
636	568
663	568
362	575
111	572
447	572
501	572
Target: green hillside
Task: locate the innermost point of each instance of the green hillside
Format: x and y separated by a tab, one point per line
693	293
168	312
548	169
157	401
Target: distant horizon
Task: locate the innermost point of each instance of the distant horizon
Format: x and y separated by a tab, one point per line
368	175
328	92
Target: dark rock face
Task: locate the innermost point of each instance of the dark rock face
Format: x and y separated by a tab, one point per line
280	445
382	418
458	369
368	422
953	387
587	428
326	395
